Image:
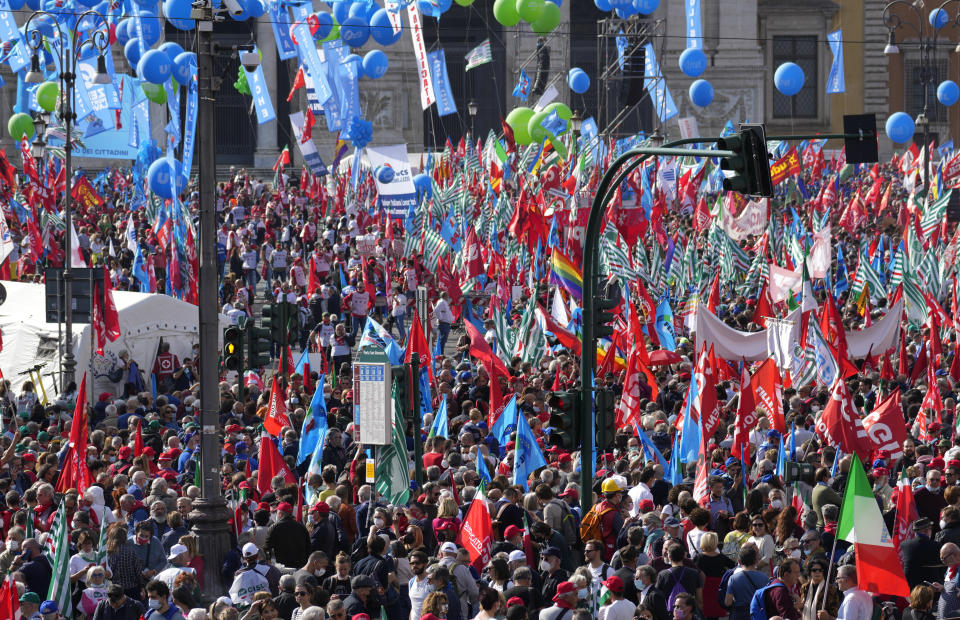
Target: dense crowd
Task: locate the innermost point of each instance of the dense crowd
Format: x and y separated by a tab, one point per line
721	535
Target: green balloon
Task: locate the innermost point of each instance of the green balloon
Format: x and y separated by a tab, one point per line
560	149
47	95
563	110
549	19
464	2
505	11
334	32
530	10
154	92
20	126
518	120
535	126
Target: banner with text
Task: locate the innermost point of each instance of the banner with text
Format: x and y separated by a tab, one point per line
399	195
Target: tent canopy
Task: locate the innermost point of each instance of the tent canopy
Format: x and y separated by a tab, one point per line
145	318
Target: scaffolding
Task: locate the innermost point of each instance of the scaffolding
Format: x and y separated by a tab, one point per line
624	106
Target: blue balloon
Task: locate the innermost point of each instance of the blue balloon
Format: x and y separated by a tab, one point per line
375	64
34	5
133	51
424	185
385	174
382	30
172	50
578	80
938	18
788	79
557	2
948	92
158	178
693	62
603	5
701	93
155	67
626	13
645	7
341	11
324	25
354	31
146	4
123	31
150	25
88	3
16	5
184	67
621	4
363	10
900	127
256	8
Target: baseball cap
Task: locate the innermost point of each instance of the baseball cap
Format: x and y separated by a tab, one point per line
511	531
250	549
517	556
361	581
323	507
285	507
49	607
564	587
176	550
553	551
614	583
671	522
449	547
30	597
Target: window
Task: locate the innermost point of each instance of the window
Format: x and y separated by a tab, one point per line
803	51
914	87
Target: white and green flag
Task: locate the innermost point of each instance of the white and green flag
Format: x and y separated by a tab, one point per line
392	476
60	560
480	55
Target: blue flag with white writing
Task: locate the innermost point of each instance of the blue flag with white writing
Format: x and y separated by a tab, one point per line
527	458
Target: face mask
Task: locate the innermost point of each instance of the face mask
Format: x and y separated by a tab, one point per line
943	524
638	584
634	448
444	463
113	459
679	613
13	545
795	554
582	593
153	604
379	522
160	518
776	504
933	489
142	541
544	565
319	573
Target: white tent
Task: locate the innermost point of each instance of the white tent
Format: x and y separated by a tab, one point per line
145	318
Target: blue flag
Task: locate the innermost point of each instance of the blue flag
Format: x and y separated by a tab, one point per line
505	423
781	459
673	473
318	411
302	362
310	431
527	457
664	325
793	441
652	451
835	81
690	434
482	470
439	426
374	335
522	90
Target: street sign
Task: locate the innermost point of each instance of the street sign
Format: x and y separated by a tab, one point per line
371	397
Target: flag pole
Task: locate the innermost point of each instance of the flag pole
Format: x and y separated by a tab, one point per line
833	551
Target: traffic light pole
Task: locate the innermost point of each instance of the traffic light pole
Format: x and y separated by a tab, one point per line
415	415
615	175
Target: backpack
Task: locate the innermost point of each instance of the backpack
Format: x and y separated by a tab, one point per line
590	527
722	589
758	608
678	588
568	523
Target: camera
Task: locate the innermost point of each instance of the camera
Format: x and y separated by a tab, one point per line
249	60
233	7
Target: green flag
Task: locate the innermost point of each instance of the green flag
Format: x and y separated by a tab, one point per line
60	581
392	476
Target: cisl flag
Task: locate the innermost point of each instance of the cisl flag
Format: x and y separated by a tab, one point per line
476	534
879	569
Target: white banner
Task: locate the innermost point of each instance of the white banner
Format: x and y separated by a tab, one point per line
781	334
688	127
818	262
751	221
399	195
782	281
420	53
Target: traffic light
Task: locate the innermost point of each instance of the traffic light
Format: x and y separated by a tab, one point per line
233	348
258	346
564	408
291	318
400	374
272	322
606	418
607	300
749	163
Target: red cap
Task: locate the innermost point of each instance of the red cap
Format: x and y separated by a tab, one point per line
348	394
169	476
29	457
645	505
285	507
323	507
166	455
515	600
360	617
105	396
124	452
937	463
234	428
244	485
229	449
511	531
953	463
564	587
263	506
570	493
511	445
614	583
148	451
564	458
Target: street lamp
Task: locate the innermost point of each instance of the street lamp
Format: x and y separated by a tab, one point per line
472	109
68	49
576	122
927	46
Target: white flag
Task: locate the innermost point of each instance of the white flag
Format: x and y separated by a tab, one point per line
780	338
782	281
76	258
6	240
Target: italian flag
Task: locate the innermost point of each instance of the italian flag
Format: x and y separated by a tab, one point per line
879	569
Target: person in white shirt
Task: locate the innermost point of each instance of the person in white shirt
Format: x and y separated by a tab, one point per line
857	604
398	310
444	316
250	267
359	307
420	585
618	608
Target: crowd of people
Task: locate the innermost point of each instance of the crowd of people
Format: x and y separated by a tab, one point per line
661	539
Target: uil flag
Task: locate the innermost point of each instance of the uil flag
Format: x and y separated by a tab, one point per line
476	533
276	417
522	90
879	569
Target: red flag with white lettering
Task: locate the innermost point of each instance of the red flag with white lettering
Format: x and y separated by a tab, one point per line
840	424
476	532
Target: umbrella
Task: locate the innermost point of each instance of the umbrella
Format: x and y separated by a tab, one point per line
662	357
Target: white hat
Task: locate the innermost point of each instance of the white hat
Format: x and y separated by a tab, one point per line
250	549
449	547
517	556
178	549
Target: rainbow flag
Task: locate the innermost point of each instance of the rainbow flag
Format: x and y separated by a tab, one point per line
565	274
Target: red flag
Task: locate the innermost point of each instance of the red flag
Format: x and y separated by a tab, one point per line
472	260
954	365
708	409
111	317
701	492
906	514
308	122
902	368
138	439
840	424
75	473
746	417
885	426
831	324
298	82
97	320
565	337
763	308
276	417
767	387
476	533
714	300
9	600
417	343
271	465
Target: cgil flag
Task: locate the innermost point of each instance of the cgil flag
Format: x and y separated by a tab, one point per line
392	475
879	569
59	589
480	55
476	534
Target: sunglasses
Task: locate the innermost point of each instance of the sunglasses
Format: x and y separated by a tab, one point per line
816	570
299	593
759	525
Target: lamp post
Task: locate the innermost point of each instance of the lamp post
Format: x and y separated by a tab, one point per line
472	109
926	43
68	47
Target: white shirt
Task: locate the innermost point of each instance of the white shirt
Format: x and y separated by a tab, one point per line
418	591
442	311
856	605
638	494
618	610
